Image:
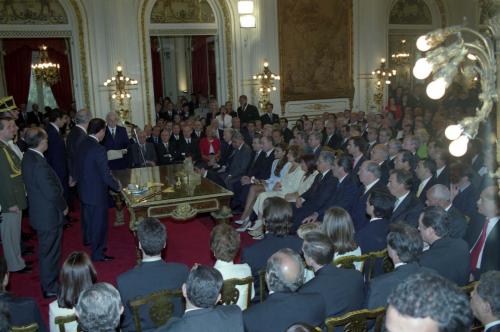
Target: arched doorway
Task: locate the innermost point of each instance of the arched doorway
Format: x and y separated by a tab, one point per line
179	21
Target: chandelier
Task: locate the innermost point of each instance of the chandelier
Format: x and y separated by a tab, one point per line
121	85
383	75
45	71
266	81
402	56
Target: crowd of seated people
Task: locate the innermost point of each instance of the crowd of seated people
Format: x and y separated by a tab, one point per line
349	184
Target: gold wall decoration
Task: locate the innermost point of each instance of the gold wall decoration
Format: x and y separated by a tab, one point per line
182	11
410	12
315	38
32	12
228	43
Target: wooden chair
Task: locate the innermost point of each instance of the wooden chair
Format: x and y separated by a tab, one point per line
26	328
230	293
368	262
61	322
262	285
347	262
160	307
357	321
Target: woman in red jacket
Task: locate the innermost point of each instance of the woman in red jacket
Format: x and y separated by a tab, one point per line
210	147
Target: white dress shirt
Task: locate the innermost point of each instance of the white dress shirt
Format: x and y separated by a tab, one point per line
399	200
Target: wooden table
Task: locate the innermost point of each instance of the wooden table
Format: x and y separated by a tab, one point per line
171	192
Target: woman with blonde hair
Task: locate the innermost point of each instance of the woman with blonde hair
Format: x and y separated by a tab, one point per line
337	224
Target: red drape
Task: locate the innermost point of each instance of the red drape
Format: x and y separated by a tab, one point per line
212	71
156	64
199	67
18	68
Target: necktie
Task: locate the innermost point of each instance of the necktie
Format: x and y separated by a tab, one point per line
113	132
188	141
478	247
420	188
396	204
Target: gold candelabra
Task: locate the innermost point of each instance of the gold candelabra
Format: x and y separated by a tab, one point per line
46	71
382	75
402	56
266	81
120	85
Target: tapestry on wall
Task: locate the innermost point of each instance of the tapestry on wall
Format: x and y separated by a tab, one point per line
315	38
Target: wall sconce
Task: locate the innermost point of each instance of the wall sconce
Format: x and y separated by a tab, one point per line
383	75
245	10
266	80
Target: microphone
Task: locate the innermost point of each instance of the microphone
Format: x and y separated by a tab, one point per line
130	124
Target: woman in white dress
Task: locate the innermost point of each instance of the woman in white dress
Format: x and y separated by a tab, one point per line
225	244
337	224
77	274
279	168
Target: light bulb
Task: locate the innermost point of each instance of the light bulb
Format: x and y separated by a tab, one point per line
261	89
128	95
422	44
277	77
422	69
119	68
471	57
266	64
106	83
254	77
274	88
459	146
436	89
113	96
453	132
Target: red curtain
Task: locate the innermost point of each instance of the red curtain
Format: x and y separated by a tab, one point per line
212	71
18	68
199	67
156	64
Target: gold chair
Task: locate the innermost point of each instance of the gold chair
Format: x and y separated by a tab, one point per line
368	261
262	285
230	294
26	328
161	307
357	321
61	321
347	262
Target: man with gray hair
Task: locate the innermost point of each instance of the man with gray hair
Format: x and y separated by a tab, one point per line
116	142
99	308
284	305
319	193
314	143
439	195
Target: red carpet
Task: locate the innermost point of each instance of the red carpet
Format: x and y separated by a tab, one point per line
188	242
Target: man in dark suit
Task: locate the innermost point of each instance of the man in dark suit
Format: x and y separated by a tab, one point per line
151	275
323	187
164	152
155	135
380	154
404	245
175	138
332	139
379	206
426	168
346	192
314	143
287	133
483	234
439	195
440	156
356	147
47	208
226	147
143	153
246	112
94	180
464	191
407	207
448	256
485	301
318	254
269	117
202	292
284	305
369	176
35	117
22	310
116	139
189	147
22	119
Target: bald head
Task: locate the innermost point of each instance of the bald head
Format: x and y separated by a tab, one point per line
438	195
284	271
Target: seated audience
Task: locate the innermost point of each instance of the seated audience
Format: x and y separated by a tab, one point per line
314	143
99	308
143	153
485	301
404	245
22	310
407	207
426	168
284	305
318	252
225	244
463	190
337	224
189	146
427	302
77	274
210	149
151	275
439	195
356	147
165	152
380	155
448	256
202	292
440	156
379	207
483	234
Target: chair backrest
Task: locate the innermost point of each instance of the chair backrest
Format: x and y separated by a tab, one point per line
262	285
161	307
347	262
368	261
26	328
61	321
357	321
230	293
